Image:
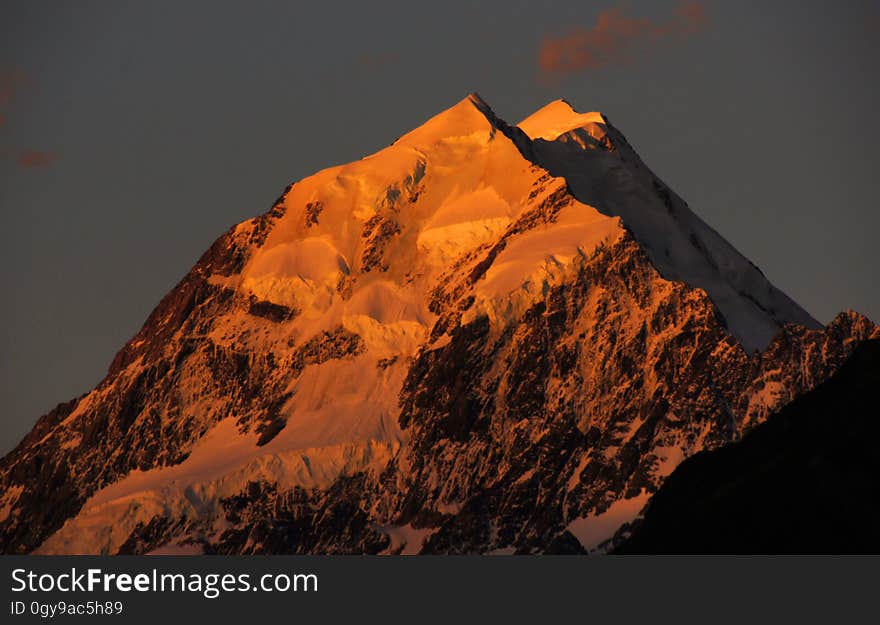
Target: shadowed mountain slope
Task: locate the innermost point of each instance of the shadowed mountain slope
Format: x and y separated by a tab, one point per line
804	481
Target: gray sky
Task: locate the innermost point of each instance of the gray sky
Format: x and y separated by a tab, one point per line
133	134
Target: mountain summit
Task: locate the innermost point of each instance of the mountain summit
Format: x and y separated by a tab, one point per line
483	338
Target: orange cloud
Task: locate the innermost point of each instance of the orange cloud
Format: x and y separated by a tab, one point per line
10	82
31	158
615	37
378	60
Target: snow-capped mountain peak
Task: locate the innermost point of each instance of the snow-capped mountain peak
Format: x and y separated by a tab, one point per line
604	171
482	337
557	118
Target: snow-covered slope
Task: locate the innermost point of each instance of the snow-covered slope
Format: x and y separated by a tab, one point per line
480	338
604	171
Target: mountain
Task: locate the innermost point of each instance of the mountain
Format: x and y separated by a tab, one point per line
483	338
804	481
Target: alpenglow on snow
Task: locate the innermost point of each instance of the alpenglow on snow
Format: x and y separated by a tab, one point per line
483	338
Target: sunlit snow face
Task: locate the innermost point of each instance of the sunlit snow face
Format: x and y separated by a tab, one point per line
463	219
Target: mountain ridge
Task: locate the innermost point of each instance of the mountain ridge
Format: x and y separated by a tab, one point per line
395	331
801	482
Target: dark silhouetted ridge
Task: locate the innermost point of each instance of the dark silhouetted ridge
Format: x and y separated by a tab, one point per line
804	481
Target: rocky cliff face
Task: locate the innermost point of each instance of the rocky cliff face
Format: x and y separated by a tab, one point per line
484	338
804	481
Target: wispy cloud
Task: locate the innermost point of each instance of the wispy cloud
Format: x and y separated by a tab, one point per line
32	159
377	61
615	37
11	82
